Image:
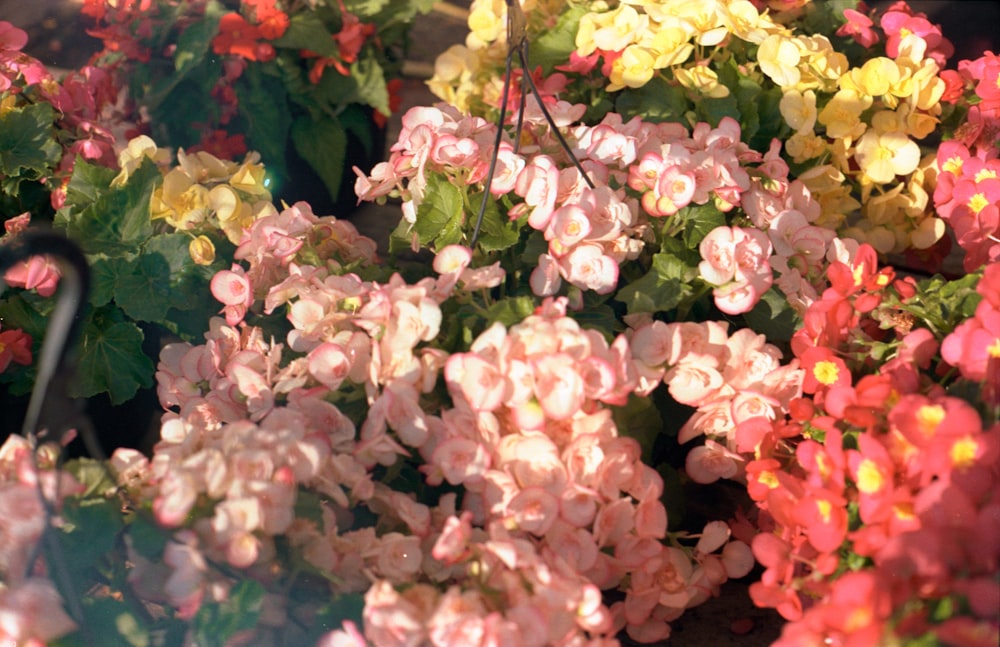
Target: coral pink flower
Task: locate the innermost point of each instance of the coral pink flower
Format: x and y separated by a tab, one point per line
15	346
858	27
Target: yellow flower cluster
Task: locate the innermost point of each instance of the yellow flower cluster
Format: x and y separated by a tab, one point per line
871	121
203	193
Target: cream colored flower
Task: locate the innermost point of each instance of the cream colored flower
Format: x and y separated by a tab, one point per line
779	58
633	69
886	155
202	250
799	110
179	201
701	79
842	115
130	159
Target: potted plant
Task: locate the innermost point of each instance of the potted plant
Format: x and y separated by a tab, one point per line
309	85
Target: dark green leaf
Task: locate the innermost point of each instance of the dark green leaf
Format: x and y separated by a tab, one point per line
511	310
323	144
553	46
193	44
103	278
656	101
601	318
148	538
639	419
117	222
371	90
699	220
111	360
216	623
307	31
712	110
264	108
142	287
666	284
497	232
27	141
773	317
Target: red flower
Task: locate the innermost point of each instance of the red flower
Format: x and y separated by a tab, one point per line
823	370
15	346
237	36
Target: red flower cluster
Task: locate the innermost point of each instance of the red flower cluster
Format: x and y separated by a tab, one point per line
869	490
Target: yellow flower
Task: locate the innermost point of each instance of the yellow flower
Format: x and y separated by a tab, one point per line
779	58
130	159
842	115
7	104
702	79
670	45
251	178
232	213
204	167
704	18
633	69
618	29
799	109
805	146
886	155
202	250
179	201
929	231
487	23
876	77
742	19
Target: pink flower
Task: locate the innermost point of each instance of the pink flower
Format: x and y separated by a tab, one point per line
232	288
710	462
348	636
858	27
15	346
587	266
479	382
38	273
32	610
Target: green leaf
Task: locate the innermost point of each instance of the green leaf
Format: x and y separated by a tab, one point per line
656	101
773	317
511	310
215	624
142	287
111	360
553	46
264	108
193	44
148	538
94	476
307	31
440	212
117	222
639	419
664	287
28	145
712	109
497	232
88	183
370	80
323	144
699	220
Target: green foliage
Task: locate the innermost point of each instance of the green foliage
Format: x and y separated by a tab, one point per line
111	360
553	46
664	287
28	147
217	622
323	144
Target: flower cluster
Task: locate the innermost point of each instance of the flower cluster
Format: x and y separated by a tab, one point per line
858	469
49	122
860	123
201	194
267	75
31	490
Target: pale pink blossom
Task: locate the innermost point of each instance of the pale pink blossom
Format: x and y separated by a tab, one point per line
32	613
712	461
